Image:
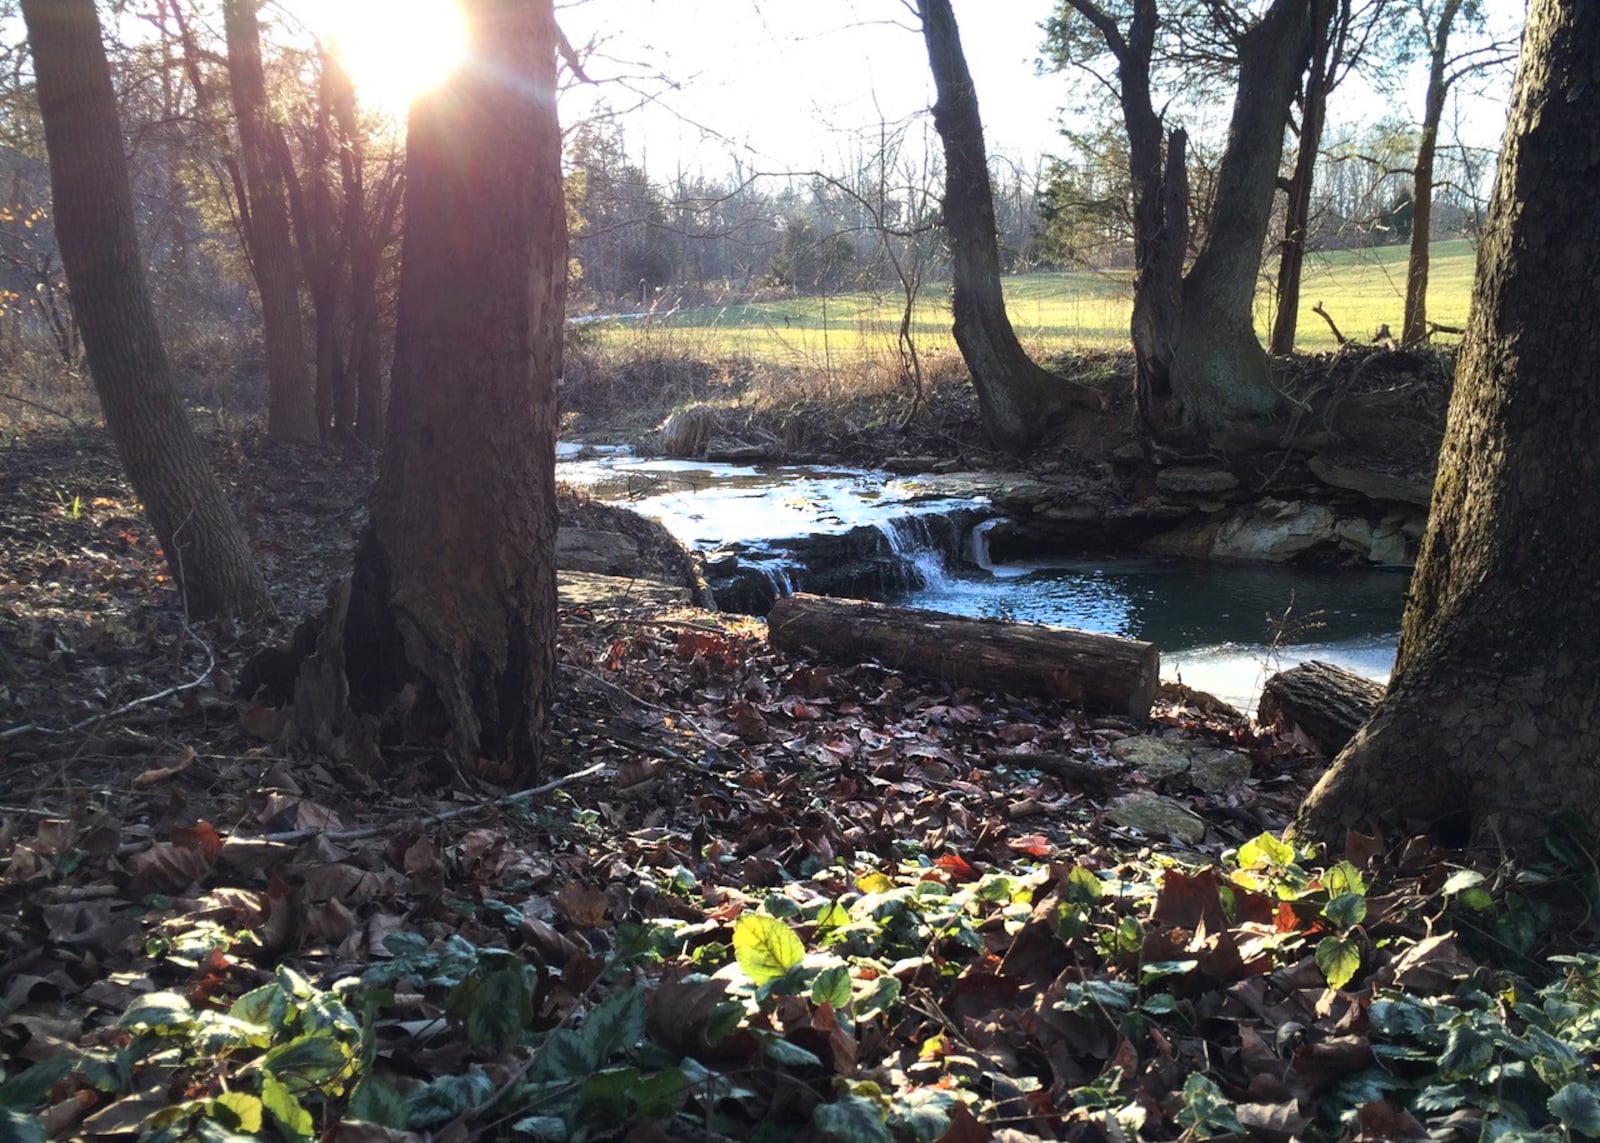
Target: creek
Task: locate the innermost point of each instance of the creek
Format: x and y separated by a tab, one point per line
1221	627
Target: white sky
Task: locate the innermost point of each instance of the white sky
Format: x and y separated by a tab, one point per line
784	82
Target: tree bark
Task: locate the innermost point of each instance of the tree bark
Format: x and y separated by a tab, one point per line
1200	369
291	408
1102	672
1490	730
206	548
1016	398
454	582
1224	376
1414	325
1297	195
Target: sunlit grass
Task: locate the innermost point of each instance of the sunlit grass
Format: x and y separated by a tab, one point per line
1053	313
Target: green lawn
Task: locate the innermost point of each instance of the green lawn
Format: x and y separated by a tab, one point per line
1052	312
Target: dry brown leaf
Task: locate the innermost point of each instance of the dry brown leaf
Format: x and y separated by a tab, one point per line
178	765
582	905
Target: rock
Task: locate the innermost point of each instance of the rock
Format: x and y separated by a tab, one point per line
1207	768
1389	548
596	551
1127	455
1380	486
1158	817
1195	481
1190	541
1215	770
1275	530
1354	535
1157	757
583	589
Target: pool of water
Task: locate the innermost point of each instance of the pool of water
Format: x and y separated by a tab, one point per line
1220	627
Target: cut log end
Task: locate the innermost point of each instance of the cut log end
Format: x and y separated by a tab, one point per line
1103	673
1326	703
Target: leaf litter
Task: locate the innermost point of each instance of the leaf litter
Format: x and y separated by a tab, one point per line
760	897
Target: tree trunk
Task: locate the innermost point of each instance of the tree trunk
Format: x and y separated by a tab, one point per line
1102	672
454	582
206	548
1223	376
1016	398
291	410
1490	730
1414	326
1297	197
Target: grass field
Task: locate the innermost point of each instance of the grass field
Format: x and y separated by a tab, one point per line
1053	313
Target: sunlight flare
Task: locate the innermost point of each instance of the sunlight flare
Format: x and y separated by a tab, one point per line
394	50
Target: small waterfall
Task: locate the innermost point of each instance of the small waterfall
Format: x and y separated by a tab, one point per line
977	545
913	541
778	575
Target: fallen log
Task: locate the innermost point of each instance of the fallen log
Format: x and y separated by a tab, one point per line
1102	672
1327	703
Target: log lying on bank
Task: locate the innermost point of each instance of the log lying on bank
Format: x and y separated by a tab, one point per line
1327	703
1102	672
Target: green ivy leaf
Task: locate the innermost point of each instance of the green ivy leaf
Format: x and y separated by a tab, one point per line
1467	1052
1339	958
549	1128
1266	850
245	1109
1158	969
1577	1106
447	1098
315	1063
281	1103
656	1096
1346	910
765	947
787	1054
614	1026
832	986
1344	878
853	1119
832	916
492	1009
28	1089
1083	887
375	1101
157	1012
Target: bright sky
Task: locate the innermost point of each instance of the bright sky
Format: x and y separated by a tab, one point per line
784	82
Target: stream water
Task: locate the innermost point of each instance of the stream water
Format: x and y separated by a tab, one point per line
1220	627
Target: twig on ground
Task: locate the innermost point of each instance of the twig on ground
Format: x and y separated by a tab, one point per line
43	408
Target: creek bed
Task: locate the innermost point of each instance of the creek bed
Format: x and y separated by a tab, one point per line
1221	627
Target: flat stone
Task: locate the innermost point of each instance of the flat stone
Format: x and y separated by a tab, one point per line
1152	755
582	589
1215	770
1355	535
1207	768
1159	817
1373	485
1195	481
597	551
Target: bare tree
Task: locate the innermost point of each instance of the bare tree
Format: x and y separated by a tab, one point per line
206	548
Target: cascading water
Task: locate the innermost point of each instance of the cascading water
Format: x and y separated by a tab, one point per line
926	557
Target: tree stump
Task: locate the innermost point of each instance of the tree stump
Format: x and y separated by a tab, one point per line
1103	672
1327	703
